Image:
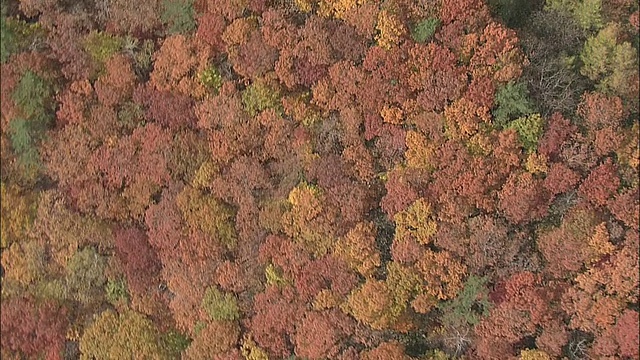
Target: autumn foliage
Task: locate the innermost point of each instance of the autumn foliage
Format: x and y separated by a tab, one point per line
319	179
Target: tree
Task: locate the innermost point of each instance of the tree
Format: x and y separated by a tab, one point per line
25	262
440	283
560	179
374	304
390	28
497	54
321	335
512	101
217	340
309	221
166	108
126	17
461	309
325	276
601	184
220	306
464	119
33	329
436	79
523	199
273	325
85	277
135	167
117	83
140	264
117	336
178	16
18	213
416	222
386	350
425	29
33	97
17	35
358	249
625	207
611	65
177	63
566	247
400	193
261	96
529	130
626	336
249	54
600	111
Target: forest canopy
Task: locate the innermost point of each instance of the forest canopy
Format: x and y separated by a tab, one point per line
319	179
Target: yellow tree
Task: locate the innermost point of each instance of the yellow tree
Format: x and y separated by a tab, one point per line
127	335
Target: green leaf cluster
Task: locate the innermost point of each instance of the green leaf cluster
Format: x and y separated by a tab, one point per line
274	276
512	100
529	129
259	96
33	96
101	46
470	306
116	291
178	16
17	35
587	13
85	274
425	29
175	343
220	306
608	63
211	78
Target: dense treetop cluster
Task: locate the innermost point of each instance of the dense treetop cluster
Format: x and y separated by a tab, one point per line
319	179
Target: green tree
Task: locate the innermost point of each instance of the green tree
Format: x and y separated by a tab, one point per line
587	13
512	100
260	96
461	309
85	275
116	291
178	16
220	306
101	46
17	35
529	129
425	29
33	96
613	66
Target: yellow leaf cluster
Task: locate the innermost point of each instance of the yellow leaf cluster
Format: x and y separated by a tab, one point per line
392	115
463	119
204	175
17	213
335	8
536	164
599	243
420	153
304	221
390	30
530	354
417	222
357	249
206	213
251	351
325	299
